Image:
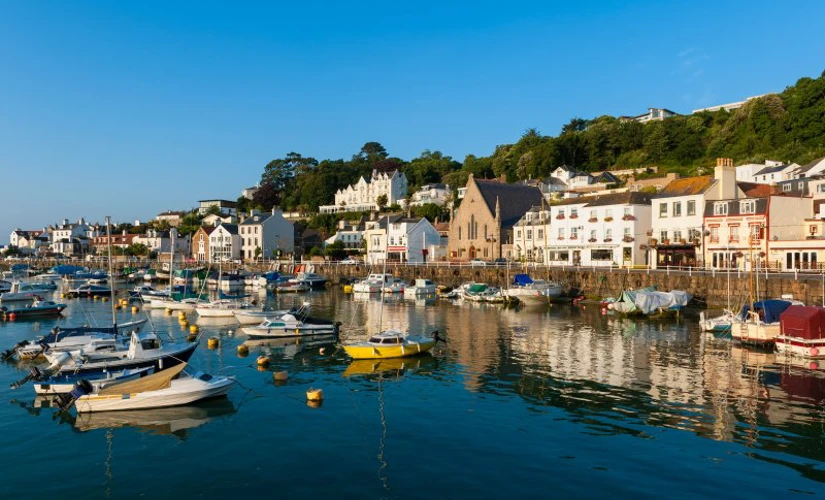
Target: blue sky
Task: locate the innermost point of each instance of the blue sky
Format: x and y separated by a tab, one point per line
132	108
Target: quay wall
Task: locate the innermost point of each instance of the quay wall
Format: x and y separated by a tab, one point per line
711	287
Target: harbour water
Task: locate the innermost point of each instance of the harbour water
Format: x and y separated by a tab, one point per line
536	402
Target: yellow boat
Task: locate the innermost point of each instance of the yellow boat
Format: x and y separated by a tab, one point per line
391	344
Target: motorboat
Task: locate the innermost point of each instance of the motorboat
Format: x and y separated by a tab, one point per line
420	288
717	324
314	281
168	387
289	325
758	322
221	308
391	344
291	287
144	349
649	301
481	292
175	420
26	292
394	285
37	309
251	317
89	290
373	283
5	286
802	332
532	291
62	384
147	292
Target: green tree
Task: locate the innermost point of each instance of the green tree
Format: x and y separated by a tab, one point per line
381	201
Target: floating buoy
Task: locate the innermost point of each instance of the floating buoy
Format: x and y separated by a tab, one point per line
263	361
347	288
12	316
193	329
322	350
814	365
212	343
315	394
94	297
191	337
229	332
135	309
62	295
181	315
604	311
168	312
315	404
124	302
105	299
243	351
280	376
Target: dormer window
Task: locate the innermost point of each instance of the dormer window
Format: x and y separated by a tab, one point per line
720	208
747	207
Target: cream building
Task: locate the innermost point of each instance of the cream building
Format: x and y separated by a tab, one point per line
363	195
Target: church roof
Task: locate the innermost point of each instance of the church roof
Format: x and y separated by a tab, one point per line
513	199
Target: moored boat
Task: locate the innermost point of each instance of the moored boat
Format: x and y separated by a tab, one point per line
420	288
290	326
760	324
532	291
391	344
37	309
802	332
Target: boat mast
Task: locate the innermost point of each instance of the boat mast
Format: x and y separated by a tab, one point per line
111	273
172	233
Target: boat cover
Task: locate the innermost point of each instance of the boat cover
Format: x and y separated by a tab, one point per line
649	302
771	308
807	322
477	288
153	382
522	279
64	269
626	302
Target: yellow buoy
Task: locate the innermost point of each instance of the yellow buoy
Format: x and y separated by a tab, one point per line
263	361
212	343
192	337
62	295
315	404
193	329
315	394
135	309
181	315
347	288
243	351
105	299
168	311
94	297
280	376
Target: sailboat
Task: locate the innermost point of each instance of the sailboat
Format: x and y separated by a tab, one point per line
222	307
390	343
175	301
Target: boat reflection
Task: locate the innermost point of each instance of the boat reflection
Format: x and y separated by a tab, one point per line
289	347
162	421
388	367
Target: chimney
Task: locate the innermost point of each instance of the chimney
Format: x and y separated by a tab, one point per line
124	232
725	175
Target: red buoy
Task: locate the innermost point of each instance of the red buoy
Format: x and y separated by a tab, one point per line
12	317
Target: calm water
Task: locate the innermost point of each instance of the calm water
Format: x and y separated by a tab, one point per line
560	401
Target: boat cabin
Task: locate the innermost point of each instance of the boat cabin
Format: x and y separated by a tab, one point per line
805	322
387	338
142	343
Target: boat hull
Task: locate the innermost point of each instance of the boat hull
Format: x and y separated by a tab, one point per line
390	351
160	362
256	333
164	398
65	383
801	347
757	334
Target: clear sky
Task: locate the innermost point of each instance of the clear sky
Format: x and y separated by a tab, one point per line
132	108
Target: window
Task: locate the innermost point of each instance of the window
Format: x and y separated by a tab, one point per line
720	208
529	234
677	235
627	232
574	212
593	214
663	235
574	233
734	234
592	234
714	234
540	233
691	207
561	233
608	213
518	234
608	234
786	187
747	206
601	255
756	232
677	208
627	211
459	233
662	209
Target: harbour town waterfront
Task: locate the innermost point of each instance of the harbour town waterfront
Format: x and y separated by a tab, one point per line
560	398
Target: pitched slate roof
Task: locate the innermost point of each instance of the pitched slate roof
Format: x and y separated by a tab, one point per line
230	228
686	186
606	177
256	219
627	198
513	199
770	170
805	168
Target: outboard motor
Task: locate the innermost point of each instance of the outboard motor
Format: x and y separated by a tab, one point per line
34	374
9	353
437	339
81	388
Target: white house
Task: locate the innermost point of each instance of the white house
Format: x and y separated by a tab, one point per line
29	242
161	241
774	173
350	233
363	195
653	114
814	168
430	193
400	239
224	243
226	207
600	230
746	172
266	234
72	238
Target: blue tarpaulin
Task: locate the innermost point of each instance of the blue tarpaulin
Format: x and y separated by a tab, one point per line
770	309
522	279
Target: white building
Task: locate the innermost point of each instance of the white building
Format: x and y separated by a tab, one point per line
430	193
363	195
600	230
72	238
161	241
264	235
772	174
653	114
350	233
226	207
728	107
224	243
29	242
400	239
170	217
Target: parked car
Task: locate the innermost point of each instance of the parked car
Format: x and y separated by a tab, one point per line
350	260
501	261
478	262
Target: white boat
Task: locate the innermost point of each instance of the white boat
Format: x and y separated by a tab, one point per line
717	324
420	288
395	285
760	324
62	384
480	292
532	291
5	286
158	390
89	290
373	283
144	349
311	279
175	305
802	332
222	308
252	317
25	292
289	326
